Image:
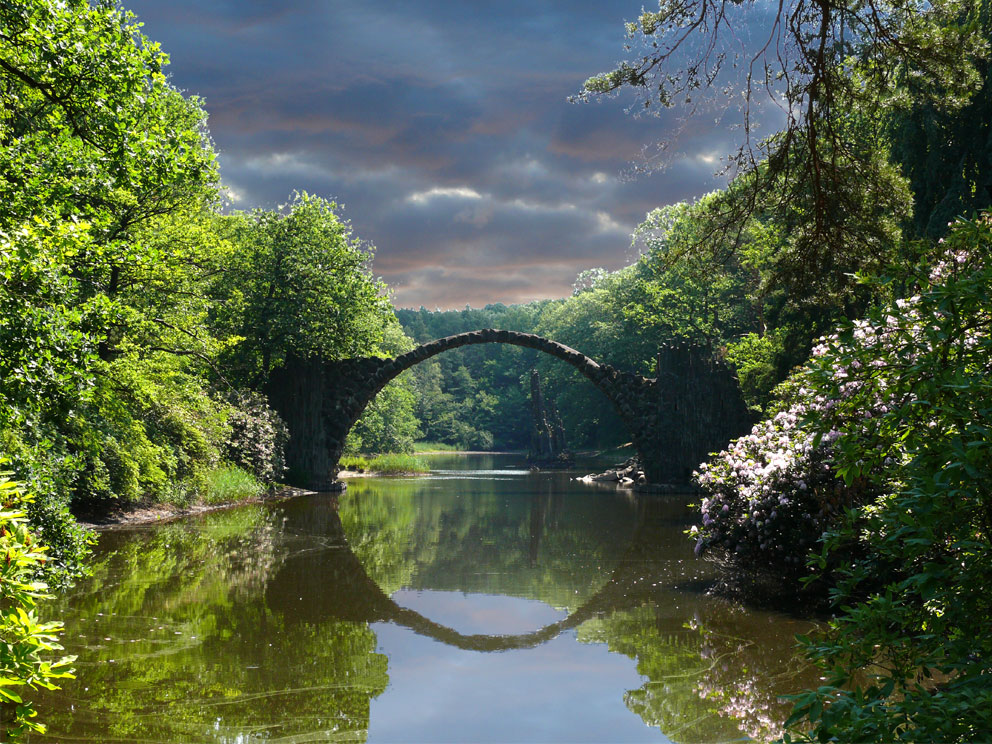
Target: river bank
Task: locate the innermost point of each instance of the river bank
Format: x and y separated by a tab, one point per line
146	511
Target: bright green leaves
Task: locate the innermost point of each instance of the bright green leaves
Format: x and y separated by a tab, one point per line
91	125
95	146
297	284
26	643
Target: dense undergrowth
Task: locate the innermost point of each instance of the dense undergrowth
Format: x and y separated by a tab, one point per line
870	486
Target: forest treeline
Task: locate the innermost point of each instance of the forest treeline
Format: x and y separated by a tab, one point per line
140	321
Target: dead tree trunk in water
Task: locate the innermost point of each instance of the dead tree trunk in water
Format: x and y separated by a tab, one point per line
547	439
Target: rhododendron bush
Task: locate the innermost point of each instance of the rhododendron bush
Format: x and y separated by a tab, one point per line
770	495
891	419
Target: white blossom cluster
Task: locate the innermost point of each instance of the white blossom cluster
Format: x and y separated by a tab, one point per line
772	493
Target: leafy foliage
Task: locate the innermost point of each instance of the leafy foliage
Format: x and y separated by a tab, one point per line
27	644
389	423
95	146
473	398
880	464
908	657
945	155
828	69
296	284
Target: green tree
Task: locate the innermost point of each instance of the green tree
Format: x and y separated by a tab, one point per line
389	423
95	145
297	284
946	155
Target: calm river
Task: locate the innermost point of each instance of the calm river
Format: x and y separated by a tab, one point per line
481	603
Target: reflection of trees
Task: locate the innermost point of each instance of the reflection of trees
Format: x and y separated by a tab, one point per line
252	625
750	670
183	650
714	678
333	581
494	538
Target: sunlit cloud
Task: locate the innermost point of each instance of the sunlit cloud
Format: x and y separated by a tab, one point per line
605	223
438	192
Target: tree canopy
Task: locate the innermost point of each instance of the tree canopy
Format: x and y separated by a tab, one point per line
828	74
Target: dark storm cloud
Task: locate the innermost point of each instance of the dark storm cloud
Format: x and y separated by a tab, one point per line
441	126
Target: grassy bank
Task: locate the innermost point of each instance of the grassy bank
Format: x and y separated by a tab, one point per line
228	484
392	464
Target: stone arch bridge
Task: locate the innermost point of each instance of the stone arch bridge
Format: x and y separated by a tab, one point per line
690	408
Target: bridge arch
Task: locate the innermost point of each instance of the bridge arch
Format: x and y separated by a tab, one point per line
585	365
672	422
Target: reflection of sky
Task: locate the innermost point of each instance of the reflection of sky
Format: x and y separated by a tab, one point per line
442	127
560	691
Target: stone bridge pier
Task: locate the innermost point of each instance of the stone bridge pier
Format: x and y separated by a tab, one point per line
691	408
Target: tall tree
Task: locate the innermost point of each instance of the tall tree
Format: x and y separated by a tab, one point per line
947	156
297	284
830	69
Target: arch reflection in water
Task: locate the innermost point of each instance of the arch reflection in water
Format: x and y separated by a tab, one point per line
282	623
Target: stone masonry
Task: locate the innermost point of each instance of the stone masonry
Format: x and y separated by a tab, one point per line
693	406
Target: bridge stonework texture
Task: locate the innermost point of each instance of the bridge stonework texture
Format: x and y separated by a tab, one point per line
693	406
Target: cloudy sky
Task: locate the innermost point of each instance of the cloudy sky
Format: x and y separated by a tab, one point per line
441	127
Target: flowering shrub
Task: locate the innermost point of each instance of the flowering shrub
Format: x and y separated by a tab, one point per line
909	656
258	437
892	418
772	493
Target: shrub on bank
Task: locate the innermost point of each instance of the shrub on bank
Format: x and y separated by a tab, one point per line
909	656
892	418
258	436
28	646
771	495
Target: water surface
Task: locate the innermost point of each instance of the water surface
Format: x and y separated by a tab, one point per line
480	603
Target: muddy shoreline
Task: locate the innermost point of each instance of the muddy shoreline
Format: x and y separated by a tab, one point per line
147	512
